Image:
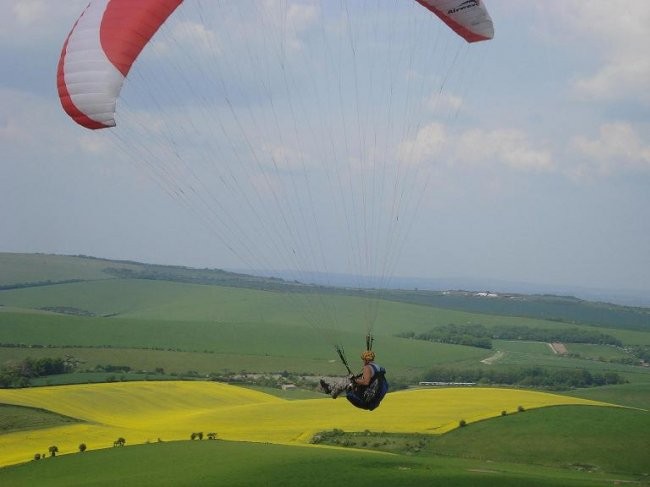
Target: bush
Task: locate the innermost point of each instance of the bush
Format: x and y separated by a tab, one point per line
462	423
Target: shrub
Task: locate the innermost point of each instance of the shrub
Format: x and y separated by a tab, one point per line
521	409
462	423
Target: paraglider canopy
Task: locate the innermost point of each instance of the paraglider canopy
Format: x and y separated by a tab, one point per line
99	52
110	34
468	18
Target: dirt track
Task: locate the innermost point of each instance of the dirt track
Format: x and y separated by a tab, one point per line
558	348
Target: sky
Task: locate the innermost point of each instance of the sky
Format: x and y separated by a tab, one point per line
362	140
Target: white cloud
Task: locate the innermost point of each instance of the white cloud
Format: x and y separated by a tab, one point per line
444	103
619	33
299	18
618	146
429	143
29	11
618	79
196	36
285	158
302	16
509	148
30	22
35	129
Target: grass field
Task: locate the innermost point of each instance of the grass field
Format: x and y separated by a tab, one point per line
596	352
21	418
631	395
213	329
574	437
209	463
567	436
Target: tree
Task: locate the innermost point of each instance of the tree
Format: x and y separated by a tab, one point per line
53	450
119	442
82	447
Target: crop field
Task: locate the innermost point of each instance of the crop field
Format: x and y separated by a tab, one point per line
144	412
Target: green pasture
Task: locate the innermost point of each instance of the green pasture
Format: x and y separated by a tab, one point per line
522	347
172	301
589	439
33	268
527	354
209	463
19	418
402	360
634	395
596	352
570	437
181	327
562	436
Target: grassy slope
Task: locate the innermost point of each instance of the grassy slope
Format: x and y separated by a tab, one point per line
247	329
564	436
162	300
20	418
234	346
32	268
634	395
225	463
209	463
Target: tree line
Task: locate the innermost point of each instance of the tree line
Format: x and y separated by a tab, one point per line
539	377
18	374
477	335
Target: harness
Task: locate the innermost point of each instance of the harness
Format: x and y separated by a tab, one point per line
370	396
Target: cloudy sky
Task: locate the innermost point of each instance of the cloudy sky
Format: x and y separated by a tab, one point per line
366	139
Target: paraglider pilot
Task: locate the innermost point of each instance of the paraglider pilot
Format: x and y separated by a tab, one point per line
365	390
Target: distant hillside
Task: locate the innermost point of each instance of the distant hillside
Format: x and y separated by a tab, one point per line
30	270
566	309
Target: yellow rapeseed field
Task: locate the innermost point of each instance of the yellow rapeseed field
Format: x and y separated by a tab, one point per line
144	412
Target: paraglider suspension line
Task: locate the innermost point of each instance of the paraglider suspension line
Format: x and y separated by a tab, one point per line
341	352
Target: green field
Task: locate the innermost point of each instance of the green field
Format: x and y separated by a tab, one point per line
209	463
596	352
563	436
165	323
19	418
